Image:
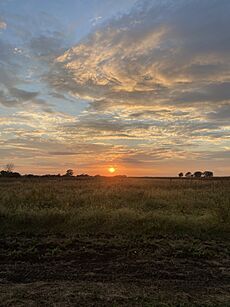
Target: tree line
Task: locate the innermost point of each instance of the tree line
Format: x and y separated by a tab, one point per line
9	172
197	174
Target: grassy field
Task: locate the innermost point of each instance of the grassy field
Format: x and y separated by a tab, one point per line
115	242
130	207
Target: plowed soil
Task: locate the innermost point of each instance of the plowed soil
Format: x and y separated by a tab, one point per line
107	271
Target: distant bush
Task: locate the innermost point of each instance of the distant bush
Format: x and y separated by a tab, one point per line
83	176
197	174
69	173
208	174
9	174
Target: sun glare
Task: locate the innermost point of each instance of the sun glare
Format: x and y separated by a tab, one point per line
111	170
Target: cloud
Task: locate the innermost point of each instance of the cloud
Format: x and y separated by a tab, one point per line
47	47
214	92
158	75
88	140
22	95
221	113
13	97
25	50
3	25
159	53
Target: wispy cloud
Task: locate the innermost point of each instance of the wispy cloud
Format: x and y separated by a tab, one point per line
159	53
3	25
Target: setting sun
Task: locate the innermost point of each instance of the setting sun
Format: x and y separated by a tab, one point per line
112	170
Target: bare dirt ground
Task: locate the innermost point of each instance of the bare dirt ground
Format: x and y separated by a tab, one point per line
107	271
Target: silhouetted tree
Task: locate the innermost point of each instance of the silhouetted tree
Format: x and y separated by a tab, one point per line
69	173
188	174
3	173
15	175
10	174
9	167
181	175
198	174
208	174
83	175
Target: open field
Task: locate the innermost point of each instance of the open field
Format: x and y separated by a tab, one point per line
115	242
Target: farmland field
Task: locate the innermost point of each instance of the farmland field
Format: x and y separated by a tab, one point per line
115	242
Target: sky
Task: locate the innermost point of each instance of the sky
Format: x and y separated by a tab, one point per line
141	86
